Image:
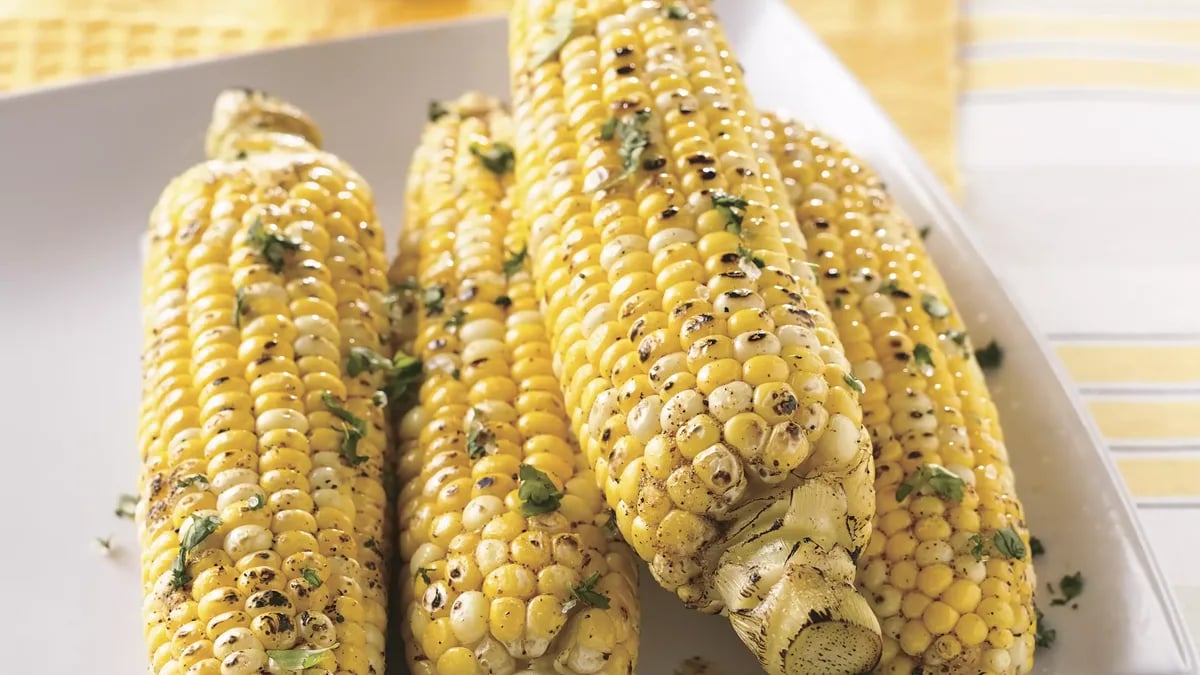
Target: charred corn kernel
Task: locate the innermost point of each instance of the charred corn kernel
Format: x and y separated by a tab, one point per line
265	266
928	409
489	584
738	396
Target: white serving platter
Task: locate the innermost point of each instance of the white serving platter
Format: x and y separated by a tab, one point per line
82	165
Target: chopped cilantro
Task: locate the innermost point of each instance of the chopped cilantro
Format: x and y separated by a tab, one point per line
586	594
923	355
935	479
354	430
193	532
1071	586
126	506
934	306
855	384
990	356
537	492
436	110
499	159
300	659
732	208
270	246
310	575
1009	543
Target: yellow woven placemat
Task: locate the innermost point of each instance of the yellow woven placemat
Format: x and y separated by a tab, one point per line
902	49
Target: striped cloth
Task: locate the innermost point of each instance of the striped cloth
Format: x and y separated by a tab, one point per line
1080	153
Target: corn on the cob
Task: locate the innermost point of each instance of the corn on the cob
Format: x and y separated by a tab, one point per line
261	512
507	564
701	370
947	569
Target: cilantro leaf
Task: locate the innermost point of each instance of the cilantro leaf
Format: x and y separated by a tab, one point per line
990	356
354	430
976	541
1071	587
503	301
364	360
923	355
537	492
1035	547
634	140
436	110
746	254
423	572
499	159
191	480
586	594
433	298
480	441
457	319
256	502
854	383
126	506
300	659
240	306
515	261
1009	543
932	478
310	575
1044	636
732	208
924	231
934	306
270	246
678	12
193	532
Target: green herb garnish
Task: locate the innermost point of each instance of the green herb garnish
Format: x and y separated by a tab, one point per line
924	231
976	546
503	301
423	572
479	441
634	139
240	306
436	110
732	208
748	255
990	356
191	480
456	320
1035	547
934	306
300	659
126	506
434	299
857	385
192	534
1071	586
499	159
353	431
586	594
1045	636
923	355
1009	543
678	12
256	502
932	478
310	575
270	246
515	261
537	492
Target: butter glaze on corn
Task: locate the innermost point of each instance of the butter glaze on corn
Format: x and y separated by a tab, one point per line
237	401
941	609
483	586
710	395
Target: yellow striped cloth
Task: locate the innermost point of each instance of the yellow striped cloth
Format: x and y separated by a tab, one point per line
1078	131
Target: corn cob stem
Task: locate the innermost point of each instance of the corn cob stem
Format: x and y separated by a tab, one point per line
255	528
494	580
701	370
947	570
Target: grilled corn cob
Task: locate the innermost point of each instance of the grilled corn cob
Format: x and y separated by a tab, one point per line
261	506
701	369
947	569
507	564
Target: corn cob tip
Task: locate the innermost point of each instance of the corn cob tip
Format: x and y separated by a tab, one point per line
248	120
